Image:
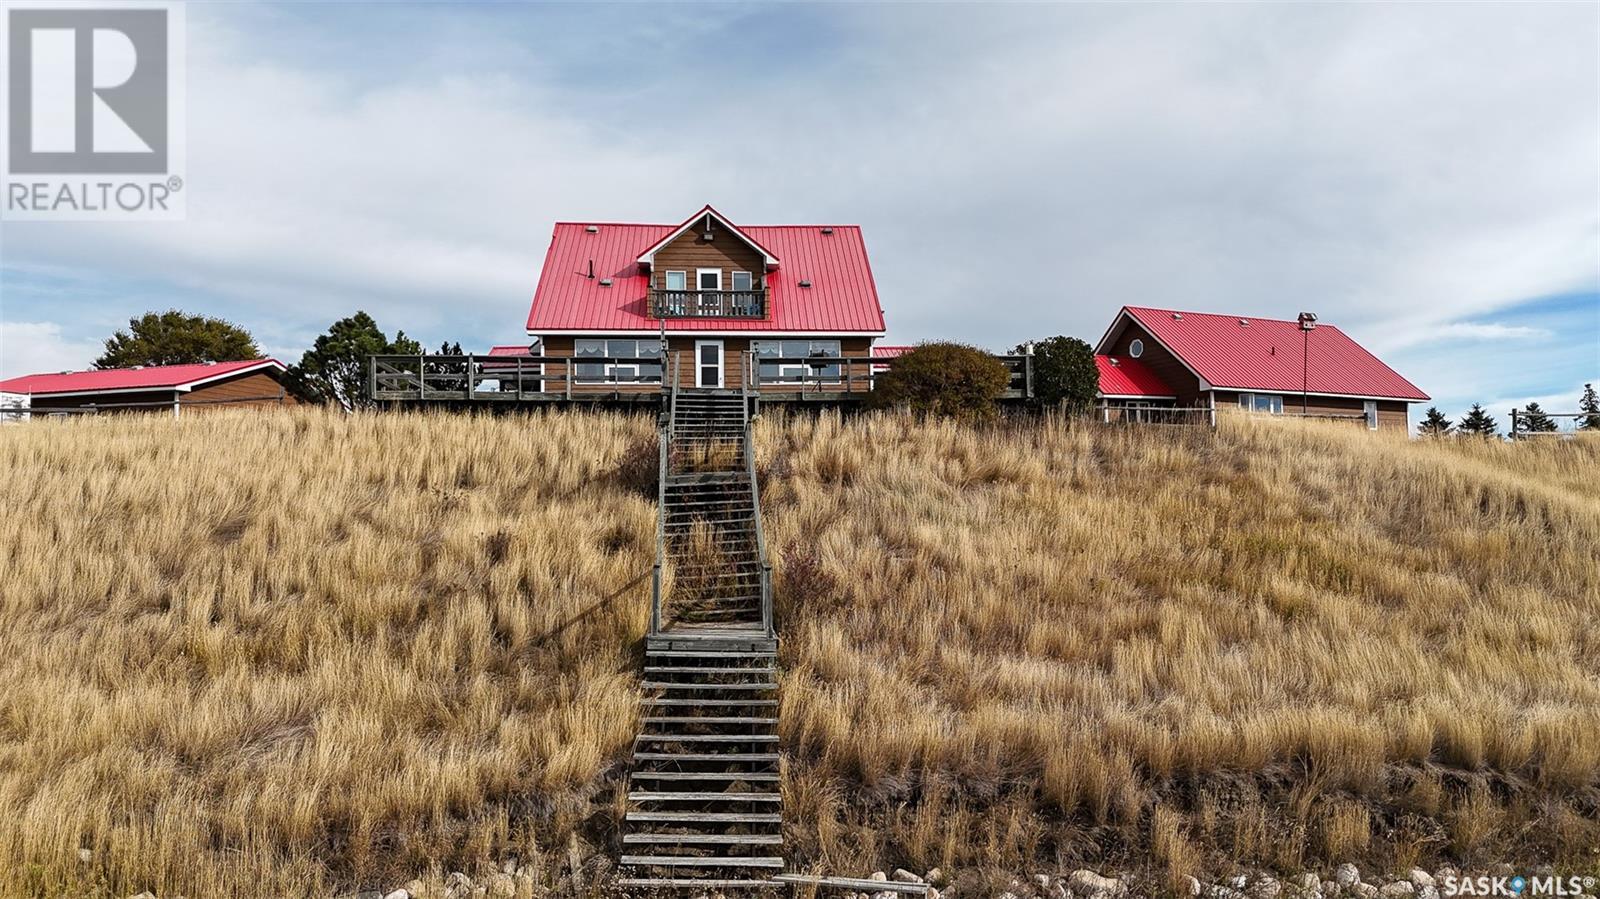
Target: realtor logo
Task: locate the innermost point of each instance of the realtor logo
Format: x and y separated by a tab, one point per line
93	91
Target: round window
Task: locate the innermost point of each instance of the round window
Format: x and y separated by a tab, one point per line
1136	348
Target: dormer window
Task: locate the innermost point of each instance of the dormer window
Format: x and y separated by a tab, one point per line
743	281
677	280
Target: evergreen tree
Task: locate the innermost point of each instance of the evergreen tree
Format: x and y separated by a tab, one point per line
1478	422
1533	420
176	338
1590	407
334	370
1064	373
1434	423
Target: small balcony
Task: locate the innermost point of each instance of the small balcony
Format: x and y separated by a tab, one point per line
708	303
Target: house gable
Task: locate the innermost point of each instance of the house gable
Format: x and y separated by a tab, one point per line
691	253
707	221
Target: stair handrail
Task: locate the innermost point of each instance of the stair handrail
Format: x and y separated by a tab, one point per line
761	537
665	432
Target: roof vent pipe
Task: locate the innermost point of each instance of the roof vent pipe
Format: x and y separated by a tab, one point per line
591	270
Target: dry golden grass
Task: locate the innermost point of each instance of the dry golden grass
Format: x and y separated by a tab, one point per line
1281	643
270	654
290	654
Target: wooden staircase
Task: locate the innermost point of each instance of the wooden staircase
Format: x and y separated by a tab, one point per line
705	810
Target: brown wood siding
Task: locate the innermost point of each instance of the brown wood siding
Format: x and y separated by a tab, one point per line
1165	365
258	388
1391	413
725	252
683	345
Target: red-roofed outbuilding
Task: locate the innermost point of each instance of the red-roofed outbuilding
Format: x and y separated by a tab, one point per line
1264	365
250	382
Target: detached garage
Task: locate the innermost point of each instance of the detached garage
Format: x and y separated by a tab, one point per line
251	383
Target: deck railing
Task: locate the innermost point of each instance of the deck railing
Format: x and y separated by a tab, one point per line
709	303
447	378
1112	412
856	374
444	377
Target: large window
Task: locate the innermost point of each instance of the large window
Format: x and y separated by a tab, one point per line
619	372
779	372
1261	402
1369	408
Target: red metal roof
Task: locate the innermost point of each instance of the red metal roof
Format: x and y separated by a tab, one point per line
152	377
1243	353
1126	376
891	352
520	349
842	297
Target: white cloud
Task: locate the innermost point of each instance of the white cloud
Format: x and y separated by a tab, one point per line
1481	331
28	348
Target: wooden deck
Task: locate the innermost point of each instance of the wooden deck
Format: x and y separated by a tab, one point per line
469	380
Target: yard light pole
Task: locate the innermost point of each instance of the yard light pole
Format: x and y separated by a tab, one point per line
1308	323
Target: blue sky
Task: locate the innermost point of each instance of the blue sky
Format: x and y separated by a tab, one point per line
1426	176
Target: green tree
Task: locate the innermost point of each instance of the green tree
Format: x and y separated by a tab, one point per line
952	380
176	338
1064	373
1590	407
1434	423
1478	422
334	370
1533	420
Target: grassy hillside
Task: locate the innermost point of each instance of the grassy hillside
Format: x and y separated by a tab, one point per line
254	654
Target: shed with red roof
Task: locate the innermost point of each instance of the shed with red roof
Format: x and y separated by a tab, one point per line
206	385
1153	357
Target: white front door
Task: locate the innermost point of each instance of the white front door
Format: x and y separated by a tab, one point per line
708	363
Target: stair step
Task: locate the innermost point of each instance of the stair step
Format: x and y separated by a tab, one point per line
707	817
651	700
693	883
707	839
705	756
707	654
689	861
685	669
710	720
753	776
668	685
709	738
662	796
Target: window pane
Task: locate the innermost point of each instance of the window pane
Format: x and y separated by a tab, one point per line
741	281
677	281
828	348
589	371
1246	400
796	348
708	280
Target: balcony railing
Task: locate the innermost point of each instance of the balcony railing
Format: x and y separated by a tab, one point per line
709	303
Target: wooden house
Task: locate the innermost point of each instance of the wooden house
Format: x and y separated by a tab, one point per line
717	293
1158	364
251	383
